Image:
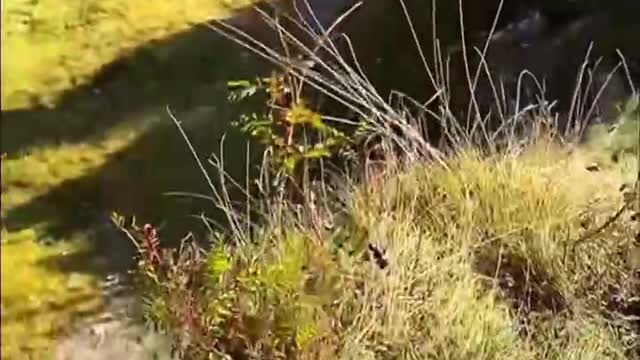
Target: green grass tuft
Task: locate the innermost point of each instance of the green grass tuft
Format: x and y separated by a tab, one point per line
489	258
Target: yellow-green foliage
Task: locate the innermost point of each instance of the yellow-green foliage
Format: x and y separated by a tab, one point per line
73	39
266	295
623	135
489	258
49	47
38	302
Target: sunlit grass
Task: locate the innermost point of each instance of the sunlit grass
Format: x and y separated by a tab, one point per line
38	302
44	168
49	47
74	39
487	259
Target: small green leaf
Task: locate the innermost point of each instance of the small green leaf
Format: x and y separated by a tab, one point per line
290	163
218	263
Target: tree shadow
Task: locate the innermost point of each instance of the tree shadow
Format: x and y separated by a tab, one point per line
134	182
187	73
183	71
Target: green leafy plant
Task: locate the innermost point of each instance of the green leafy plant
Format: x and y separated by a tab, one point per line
293	131
225	302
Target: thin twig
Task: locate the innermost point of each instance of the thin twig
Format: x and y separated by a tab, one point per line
600	228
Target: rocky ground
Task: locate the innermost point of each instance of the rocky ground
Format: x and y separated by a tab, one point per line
116	333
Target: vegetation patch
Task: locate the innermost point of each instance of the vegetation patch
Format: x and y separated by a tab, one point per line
73	41
527	253
487	258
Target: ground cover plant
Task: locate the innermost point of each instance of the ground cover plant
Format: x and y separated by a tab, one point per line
497	257
495	247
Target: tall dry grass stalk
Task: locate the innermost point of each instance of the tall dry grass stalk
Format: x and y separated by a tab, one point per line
482	238
320	60
337	74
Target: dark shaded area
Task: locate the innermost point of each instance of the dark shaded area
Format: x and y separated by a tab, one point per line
528	287
557	47
189	74
549	38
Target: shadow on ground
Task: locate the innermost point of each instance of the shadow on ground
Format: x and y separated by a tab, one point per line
188	73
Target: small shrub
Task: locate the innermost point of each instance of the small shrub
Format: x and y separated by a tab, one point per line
269	300
290	128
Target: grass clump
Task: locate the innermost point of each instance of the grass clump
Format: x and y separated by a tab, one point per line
521	249
487	258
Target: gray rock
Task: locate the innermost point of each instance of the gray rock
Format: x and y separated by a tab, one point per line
115	339
117	332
